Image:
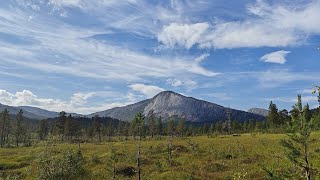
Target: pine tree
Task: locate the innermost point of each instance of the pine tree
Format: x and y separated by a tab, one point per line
152	125
119	130
317	114
43	129
97	126
299	142
284	117
211	130
68	129
126	130
307	113
170	127
181	127
218	127
110	130
60	124
190	130
19	127
139	124
273	116
205	129
160	127
4	123
228	123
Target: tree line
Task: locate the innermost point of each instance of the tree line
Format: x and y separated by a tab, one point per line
17	130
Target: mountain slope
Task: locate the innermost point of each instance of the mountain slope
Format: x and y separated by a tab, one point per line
125	113
39	111
14	110
259	111
170	104
44	113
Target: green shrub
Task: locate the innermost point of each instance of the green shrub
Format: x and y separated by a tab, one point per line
67	166
95	159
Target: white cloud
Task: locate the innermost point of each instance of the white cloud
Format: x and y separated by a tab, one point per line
80	98
278	57
148	90
266	25
78	102
187	83
202	57
67	49
26	97
184	35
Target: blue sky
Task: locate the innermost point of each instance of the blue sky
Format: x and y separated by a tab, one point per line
90	55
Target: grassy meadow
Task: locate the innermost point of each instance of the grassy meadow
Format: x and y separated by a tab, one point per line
220	157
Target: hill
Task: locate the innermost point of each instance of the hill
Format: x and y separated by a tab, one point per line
169	104
14	110
259	111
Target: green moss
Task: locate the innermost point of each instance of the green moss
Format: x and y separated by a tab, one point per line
193	158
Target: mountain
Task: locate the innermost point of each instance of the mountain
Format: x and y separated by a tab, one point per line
39	111
170	104
44	113
125	113
259	111
14	110
33	112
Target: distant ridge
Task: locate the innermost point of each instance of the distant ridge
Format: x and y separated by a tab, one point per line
259	111
32	112
167	104
43	112
14	110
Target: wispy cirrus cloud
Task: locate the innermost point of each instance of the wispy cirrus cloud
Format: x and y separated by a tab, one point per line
266	25
61	48
184	35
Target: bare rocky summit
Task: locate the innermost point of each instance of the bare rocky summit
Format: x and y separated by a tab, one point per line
259	111
169	104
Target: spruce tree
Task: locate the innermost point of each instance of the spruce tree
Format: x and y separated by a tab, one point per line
273	116
110	130
68	129
181	127
152	125
60	124
97	126
19	127
299	142
170	128
4	123
119	129
126	130
139	125
160	127
43	129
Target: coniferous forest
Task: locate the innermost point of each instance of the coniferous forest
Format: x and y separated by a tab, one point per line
284	145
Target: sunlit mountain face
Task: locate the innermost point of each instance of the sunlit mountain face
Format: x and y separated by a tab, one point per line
85	56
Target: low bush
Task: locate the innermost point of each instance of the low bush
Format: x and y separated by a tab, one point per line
67	166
